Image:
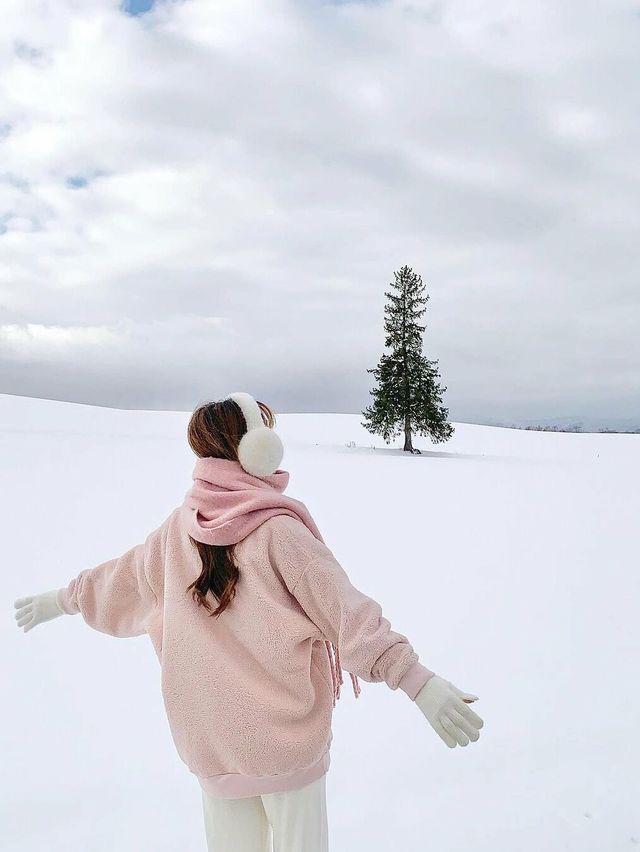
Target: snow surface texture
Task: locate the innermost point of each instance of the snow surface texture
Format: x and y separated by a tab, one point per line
509	558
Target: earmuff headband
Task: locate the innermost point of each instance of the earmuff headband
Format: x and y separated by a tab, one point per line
260	450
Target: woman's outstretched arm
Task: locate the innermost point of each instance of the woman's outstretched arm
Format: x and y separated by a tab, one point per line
115	597
350	619
368	646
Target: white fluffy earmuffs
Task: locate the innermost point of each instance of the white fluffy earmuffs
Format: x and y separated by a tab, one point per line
260	450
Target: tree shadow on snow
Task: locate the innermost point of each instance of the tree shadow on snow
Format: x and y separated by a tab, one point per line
429	454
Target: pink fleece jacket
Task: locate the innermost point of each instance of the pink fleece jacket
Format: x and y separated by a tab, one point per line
250	694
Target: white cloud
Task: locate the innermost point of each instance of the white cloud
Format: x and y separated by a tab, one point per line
31	339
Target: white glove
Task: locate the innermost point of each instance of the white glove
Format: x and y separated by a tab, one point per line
444	706
37	608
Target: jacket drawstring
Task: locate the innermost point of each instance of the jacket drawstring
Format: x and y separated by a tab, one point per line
336	672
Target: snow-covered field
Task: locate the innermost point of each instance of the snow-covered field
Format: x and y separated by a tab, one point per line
509	558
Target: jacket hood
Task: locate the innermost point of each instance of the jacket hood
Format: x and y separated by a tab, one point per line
225	503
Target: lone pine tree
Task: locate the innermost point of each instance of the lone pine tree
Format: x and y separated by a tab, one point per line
408	395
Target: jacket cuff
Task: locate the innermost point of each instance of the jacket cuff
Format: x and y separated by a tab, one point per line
414	679
64	601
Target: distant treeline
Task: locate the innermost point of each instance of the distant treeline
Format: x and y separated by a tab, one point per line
576	427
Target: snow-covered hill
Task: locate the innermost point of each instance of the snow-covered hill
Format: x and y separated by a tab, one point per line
509	558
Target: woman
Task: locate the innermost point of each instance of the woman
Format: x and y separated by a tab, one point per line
249	685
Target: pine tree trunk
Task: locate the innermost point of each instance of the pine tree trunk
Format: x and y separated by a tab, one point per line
408	446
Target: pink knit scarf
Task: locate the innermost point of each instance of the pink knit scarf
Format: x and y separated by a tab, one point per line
226	503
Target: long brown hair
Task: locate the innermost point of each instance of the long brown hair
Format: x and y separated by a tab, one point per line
215	430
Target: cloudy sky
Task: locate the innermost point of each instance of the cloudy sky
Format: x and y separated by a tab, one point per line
205	196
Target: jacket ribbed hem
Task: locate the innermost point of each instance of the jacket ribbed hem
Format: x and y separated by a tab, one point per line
235	786
414	679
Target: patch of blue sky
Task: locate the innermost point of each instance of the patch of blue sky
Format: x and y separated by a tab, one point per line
137	7
15	181
76	181
353	2
27	52
79	181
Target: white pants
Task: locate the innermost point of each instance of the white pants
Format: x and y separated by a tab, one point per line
295	821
